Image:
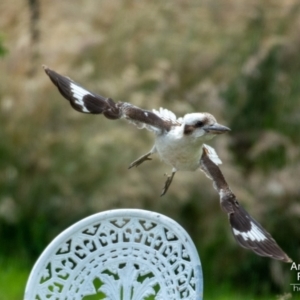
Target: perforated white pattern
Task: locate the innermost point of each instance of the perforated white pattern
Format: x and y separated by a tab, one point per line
123	254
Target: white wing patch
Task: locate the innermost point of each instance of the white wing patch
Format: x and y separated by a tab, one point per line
140	125
165	114
78	94
212	154
255	234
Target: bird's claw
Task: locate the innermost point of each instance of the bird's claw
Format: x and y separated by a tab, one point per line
167	183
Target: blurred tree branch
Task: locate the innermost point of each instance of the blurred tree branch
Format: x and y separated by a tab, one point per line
34	8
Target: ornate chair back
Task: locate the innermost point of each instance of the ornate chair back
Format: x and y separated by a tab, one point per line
124	254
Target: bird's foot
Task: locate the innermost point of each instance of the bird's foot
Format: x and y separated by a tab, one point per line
167	183
140	160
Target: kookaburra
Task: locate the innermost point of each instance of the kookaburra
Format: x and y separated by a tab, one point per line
179	142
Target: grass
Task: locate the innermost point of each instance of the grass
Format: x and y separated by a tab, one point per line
227	292
13	277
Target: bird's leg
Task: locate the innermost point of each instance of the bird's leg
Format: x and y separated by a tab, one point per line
140	160
168	182
143	158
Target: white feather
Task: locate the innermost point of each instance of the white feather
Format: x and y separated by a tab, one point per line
254	234
78	94
165	114
212	154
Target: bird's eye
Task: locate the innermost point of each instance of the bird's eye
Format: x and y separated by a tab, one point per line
199	124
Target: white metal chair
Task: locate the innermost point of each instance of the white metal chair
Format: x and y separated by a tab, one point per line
124	254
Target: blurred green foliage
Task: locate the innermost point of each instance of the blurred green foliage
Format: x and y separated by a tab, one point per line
3	50
238	61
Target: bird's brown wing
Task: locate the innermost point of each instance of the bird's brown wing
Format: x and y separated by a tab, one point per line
246	230
88	102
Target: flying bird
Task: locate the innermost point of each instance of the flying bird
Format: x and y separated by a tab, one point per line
178	141
247	232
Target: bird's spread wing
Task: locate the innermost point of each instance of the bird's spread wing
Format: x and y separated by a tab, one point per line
247	231
85	101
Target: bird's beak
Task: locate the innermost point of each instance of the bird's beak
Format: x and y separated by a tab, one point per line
216	129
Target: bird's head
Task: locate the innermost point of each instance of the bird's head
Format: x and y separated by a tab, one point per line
202	125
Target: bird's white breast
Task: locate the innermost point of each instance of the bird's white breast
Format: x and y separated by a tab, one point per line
178	150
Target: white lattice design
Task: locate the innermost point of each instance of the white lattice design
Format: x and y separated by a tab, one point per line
125	254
